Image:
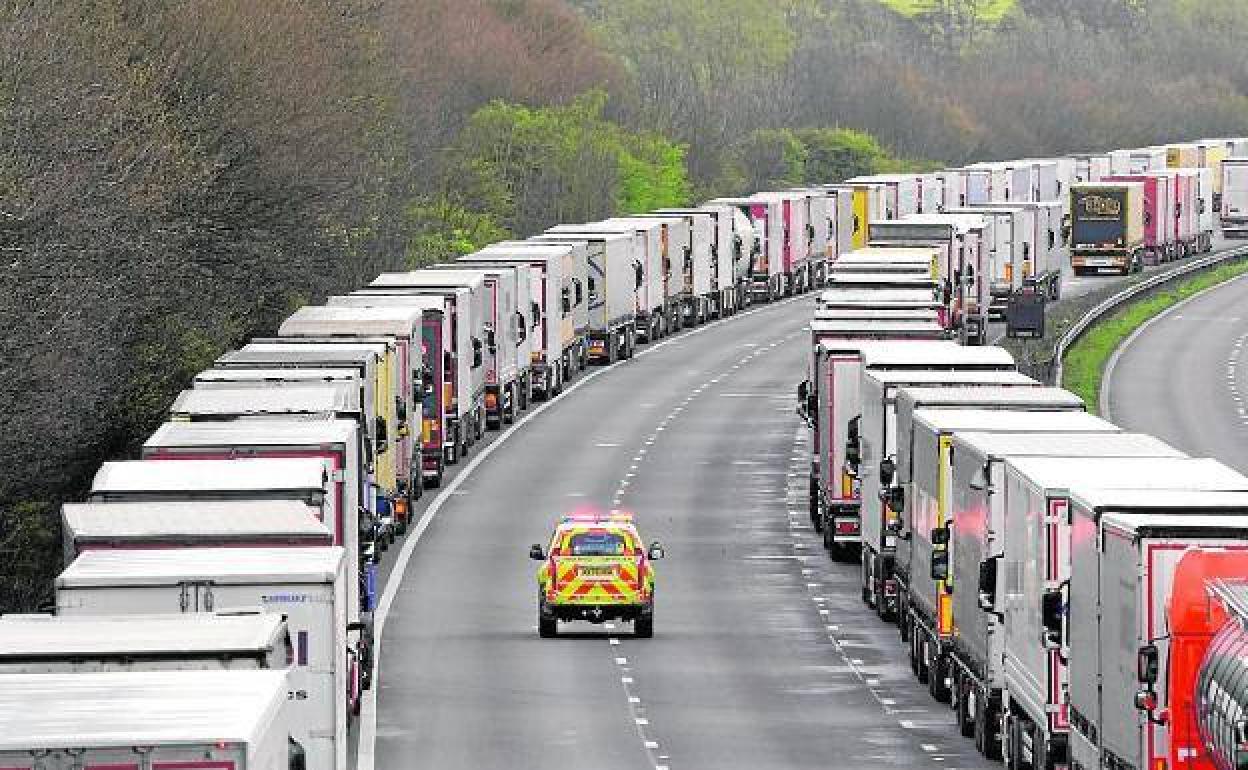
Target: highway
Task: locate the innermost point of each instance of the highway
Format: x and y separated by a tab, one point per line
1183	376
763	654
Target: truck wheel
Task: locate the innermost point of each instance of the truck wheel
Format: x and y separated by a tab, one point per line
937	683
643	627
966	716
816	519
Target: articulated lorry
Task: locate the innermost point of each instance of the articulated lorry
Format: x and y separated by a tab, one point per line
614	281
1107	227
157	720
306	585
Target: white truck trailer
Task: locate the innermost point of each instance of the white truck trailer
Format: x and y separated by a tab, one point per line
1039	698
52	644
704	297
613	284
515	280
980	496
923	498
1235	197
874	439
204	524
163	720
307	585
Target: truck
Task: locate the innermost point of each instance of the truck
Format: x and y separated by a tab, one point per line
1185	155
1036	680
1207	699
506	374
230	641
840	220
165	720
612	284
921	496
307	585
832	395
231	378
402	327
464	293
897	299
675	246
980	497
183	524
1125	549
1090	167
1212	153
931	193
555	312
766	271
1161	223
1235	197
873	438
515	281
716	248
820	215
901	192
795	241
651	314
1049	248
431	383
1107	227
996	183
1011	258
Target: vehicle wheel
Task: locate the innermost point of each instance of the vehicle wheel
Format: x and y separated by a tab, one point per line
816	517
917	663
965	705
937	684
1055	288
867	580
643	627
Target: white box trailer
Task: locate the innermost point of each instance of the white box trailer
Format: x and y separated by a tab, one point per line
931	193
506	373
162	720
980	497
766	218
794	251
307	585
517	279
876	441
613	283
730	255
899	299
1235	197
1046	248
955	184
1039	572
556	347
996	183
198	524
304	480
923	496
840	220
833	397
222	641
650	250
1009	251
929	259
675	246
1126	548
275	378
1147	159
901	192
1090	167
465	291
402	325
709	277
818	212
432	377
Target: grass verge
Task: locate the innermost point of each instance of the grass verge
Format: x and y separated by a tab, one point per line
1084	364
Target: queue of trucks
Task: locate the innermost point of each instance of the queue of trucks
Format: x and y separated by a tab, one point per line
1076	592
215	609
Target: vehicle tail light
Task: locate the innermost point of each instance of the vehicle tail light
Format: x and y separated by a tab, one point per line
849	527
491	400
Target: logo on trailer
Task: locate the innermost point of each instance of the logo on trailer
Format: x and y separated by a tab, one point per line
1099	206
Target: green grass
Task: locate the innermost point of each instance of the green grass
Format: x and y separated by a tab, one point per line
1084	364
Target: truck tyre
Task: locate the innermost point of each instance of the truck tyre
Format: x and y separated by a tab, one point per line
643	626
987	730
816	519
965	707
452	453
937	680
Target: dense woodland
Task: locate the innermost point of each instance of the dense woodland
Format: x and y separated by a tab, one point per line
176	175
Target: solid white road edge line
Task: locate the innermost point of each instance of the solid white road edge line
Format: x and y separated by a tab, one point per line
366	750
1102	398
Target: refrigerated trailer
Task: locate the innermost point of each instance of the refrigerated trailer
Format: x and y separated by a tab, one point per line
612	283
703	296
1235	197
1125	549
675	247
222	641
206	524
514	281
556	348
1047	565
157	720
876	441
506	372
307	585
1011	253
653	314
766	217
1090	167
980	499
1107	227
277	377
923	468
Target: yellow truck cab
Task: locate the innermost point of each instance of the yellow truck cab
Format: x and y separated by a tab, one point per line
596	569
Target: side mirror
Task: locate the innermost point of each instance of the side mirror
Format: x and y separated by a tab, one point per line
896	499
1146	664
537	553
1052	612
491	340
656	551
940	565
803	393
567	301
988	584
940	536
1146	700
639	274
476	352
888	469
381	433
535	310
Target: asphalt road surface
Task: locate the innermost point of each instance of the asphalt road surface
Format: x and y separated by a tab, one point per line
763	654
1183	377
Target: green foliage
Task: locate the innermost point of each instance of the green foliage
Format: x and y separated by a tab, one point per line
29	542
776	158
445	228
1083	367
525	168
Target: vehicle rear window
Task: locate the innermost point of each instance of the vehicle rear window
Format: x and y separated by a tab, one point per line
597	544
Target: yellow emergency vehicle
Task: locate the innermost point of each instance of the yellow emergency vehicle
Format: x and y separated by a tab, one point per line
596	569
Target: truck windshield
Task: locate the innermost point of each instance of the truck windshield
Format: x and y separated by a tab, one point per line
597	544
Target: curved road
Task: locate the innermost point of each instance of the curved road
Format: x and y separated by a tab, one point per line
763	654
1184	376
